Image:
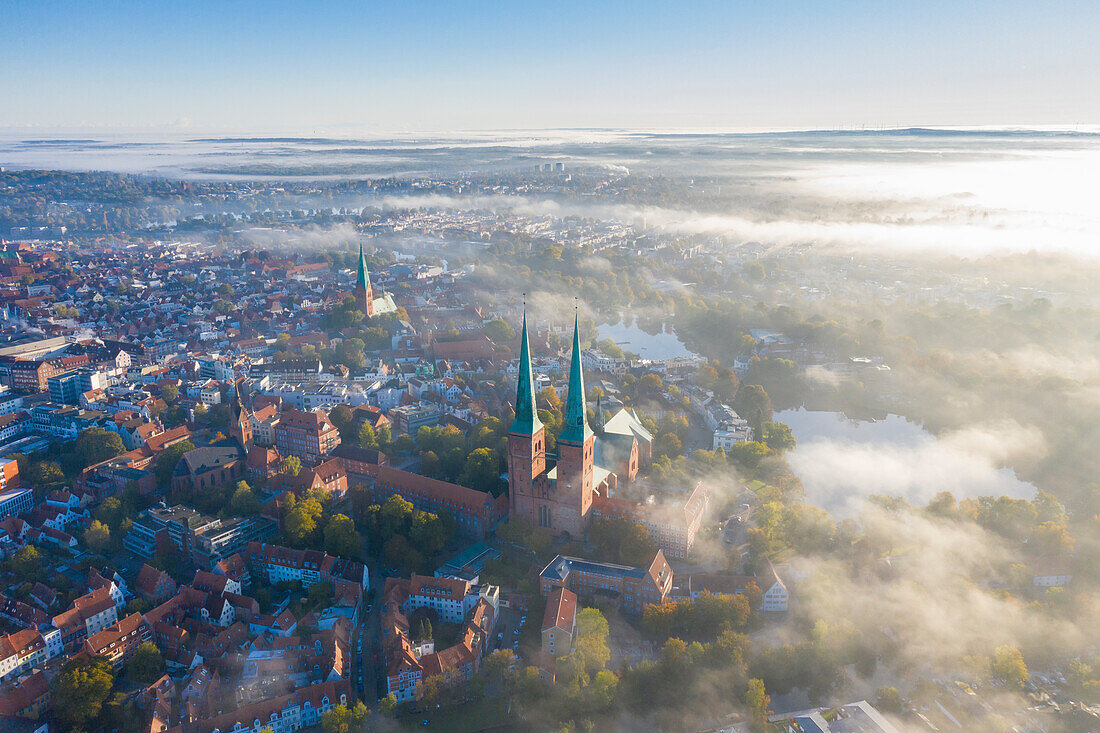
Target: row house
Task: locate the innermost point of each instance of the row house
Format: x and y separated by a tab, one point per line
119	641
28	700
21	614
21	651
14	425
155	586
277	564
88	615
302	708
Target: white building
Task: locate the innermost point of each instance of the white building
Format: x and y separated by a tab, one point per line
731	432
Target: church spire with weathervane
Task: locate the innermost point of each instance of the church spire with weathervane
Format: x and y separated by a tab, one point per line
364	293
575	425
527	417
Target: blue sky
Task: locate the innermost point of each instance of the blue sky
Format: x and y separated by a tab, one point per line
457	65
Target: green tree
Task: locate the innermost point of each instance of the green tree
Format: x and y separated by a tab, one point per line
395	515
650	384
147	664
668	444
591	643
79	690
499	331
748	456
757	699
244	502
350	353
482	471
403	443
387	706
752	403
1051	538
367	438
167	459
97	537
429	464
778	436
94	445
610	347
888	700
45	474
169	393
300	521
341	417
112	512
340	719
341	539
1008	666
622	541
291	465
548	399
425	531
26	563
499	663
943	505
321	594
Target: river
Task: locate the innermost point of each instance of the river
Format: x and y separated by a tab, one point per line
663	345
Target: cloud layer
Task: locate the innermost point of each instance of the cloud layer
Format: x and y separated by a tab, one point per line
839	473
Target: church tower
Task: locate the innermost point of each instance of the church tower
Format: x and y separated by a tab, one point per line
241	429
364	294
527	495
576	451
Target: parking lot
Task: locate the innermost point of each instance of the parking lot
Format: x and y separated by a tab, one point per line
508	629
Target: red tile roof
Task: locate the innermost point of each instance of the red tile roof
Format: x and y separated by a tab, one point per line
561	610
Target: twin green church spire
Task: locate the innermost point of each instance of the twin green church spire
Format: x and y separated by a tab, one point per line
575	425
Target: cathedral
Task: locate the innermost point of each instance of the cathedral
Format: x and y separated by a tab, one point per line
562	497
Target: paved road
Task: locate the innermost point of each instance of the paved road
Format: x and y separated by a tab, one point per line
366	650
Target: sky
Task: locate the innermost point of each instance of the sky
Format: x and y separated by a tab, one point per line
408	66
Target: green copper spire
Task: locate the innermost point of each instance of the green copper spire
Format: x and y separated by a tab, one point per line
527	417
575	428
363	276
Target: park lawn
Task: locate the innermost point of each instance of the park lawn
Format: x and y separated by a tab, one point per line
469	718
